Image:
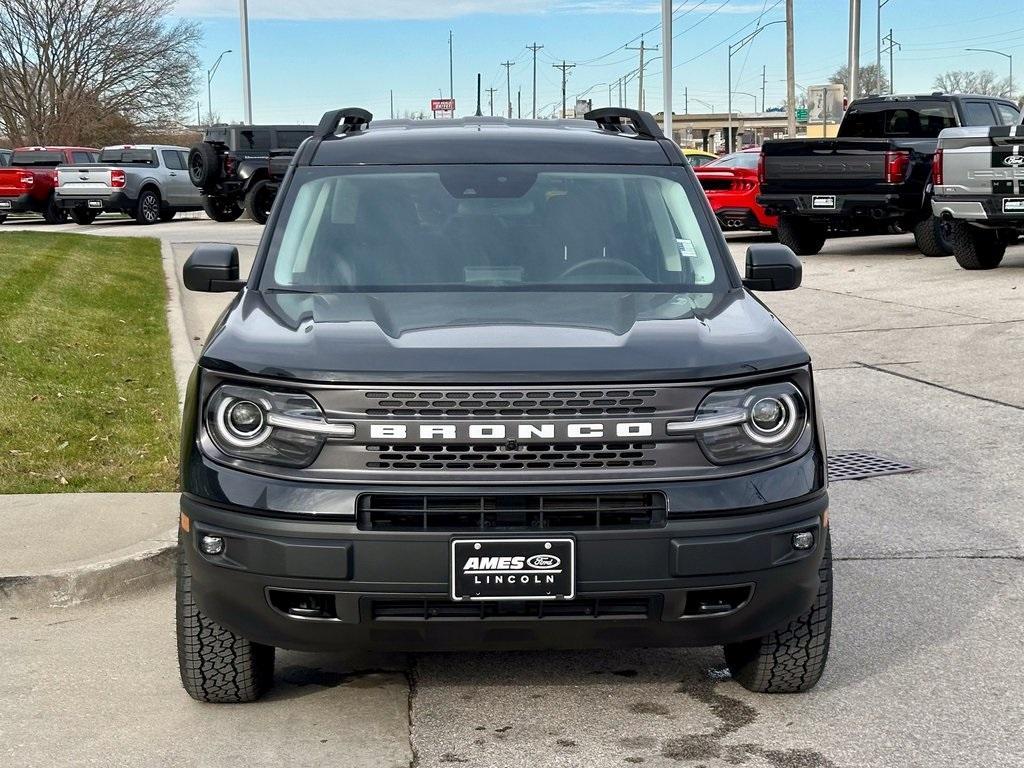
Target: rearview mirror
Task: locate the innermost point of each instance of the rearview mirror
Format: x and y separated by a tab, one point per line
772	267
213	268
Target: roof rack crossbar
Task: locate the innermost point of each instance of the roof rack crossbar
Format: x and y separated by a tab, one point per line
348	117
610	119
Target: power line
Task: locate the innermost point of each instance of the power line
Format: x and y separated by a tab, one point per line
640	88
565	73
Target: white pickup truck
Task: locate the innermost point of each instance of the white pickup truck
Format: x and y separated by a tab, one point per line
148	182
978	186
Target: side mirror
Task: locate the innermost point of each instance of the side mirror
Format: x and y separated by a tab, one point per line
213	268
772	267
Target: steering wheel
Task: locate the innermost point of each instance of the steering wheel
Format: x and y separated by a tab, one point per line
618	266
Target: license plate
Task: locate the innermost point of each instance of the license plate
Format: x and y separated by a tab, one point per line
1013	205
823	201
95	203
513	569
5	204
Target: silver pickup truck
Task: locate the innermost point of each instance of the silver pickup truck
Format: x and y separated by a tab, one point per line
148	182
978	186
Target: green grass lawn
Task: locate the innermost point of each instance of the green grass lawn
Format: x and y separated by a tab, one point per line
87	393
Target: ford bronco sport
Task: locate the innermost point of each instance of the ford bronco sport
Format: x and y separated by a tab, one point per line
498	384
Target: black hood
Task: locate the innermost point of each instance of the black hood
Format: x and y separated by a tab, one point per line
481	337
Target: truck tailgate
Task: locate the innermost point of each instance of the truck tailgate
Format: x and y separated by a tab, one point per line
982	161
15	182
84	181
824	165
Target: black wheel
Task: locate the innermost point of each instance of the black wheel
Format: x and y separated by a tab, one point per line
83	216
792	658
54	215
805	238
167	214
977	248
222	208
932	236
259	201
147	209
216	665
204	167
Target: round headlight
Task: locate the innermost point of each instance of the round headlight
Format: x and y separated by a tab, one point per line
241	423
768	415
771	419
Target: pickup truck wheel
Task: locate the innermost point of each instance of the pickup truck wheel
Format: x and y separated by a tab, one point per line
259	201
221	208
932	237
803	237
204	166
54	215
977	248
83	216
216	665
792	658
147	209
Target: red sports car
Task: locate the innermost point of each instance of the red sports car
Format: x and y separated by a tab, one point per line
732	187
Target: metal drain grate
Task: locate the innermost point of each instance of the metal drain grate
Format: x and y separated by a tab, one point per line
857	466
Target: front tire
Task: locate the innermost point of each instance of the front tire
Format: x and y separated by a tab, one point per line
83	216
977	248
805	238
932	237
259	201
147	209
792	658
53	214
221	209
216	665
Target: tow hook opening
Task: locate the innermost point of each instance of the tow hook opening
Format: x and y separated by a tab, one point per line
303	605
715	601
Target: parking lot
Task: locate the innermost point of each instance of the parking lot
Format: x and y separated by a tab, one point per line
916	360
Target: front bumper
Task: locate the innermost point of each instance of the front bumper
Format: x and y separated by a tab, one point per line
389	590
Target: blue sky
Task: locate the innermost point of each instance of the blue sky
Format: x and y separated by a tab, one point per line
311	56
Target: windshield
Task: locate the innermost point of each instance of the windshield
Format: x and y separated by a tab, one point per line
474	228
747	160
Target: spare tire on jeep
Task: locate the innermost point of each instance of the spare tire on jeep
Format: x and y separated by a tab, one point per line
204	166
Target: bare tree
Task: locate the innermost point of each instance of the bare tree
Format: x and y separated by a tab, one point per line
984	82
75	71
869	80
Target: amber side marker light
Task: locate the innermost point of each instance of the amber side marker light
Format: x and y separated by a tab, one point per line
186	524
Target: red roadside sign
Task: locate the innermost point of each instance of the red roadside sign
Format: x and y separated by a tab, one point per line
442	105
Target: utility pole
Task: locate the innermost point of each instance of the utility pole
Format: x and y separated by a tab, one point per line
490	94
243	12
451	68
853	61
392	103
790	73
534	48
686	100
508	84
199	115
666	53
892	45
640	87
878	43
479	112
565	73
764	82
519	103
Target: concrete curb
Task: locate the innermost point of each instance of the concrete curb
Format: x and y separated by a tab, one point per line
135	568
182	357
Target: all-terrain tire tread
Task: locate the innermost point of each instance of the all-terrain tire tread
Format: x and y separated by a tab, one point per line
976	248
216	665
790	659
803	238
928	239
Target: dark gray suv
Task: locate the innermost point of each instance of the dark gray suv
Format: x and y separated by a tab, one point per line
498	384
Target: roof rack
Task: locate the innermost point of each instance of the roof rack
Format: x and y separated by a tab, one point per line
353	118
610	119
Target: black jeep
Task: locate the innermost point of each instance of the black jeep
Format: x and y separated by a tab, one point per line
239	167
498	384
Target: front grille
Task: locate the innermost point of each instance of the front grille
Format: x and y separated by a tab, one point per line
622	608
527	512
525	456
545	403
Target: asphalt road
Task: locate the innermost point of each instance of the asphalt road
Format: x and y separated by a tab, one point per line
916	359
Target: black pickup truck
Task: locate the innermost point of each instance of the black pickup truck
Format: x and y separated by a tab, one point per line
874	177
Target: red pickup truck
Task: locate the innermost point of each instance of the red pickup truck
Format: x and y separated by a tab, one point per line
28	184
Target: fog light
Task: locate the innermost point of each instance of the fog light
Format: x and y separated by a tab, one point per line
803	540
214	545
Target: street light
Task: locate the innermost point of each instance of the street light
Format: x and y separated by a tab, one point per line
209	91
733	49
745	93
997	53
